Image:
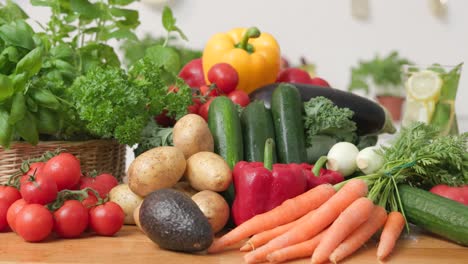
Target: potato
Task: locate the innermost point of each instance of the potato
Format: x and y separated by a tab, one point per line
214	207
136	216
157	168
185	187
128	200
191	135
208	171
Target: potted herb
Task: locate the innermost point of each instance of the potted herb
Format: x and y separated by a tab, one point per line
381	78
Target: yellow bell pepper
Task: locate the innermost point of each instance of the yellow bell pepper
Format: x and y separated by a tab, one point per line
254	54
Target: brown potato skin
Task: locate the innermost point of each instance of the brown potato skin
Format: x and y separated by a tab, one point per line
128	200
136	216
185	187
191	135
208	171
214	207
157	168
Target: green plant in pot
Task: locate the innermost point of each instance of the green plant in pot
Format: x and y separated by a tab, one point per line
381	78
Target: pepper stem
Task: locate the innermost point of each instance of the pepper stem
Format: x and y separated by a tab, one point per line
268	155
251	32
318	165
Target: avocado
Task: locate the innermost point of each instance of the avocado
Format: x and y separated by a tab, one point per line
174	221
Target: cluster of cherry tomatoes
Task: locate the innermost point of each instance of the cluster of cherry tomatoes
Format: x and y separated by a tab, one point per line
223	80
54	197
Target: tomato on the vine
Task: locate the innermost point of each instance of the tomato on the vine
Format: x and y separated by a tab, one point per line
13	211
203	111
34	222
102	183
65	170
106	219
239	97
89	201
224	76
3	214
9	194
211	91
71	219
35	168
39	189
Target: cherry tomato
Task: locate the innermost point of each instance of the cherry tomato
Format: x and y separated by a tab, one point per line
89	201
203	111
34	223
13	212
239	97
106	219
294	75
9	194
35	168
71	219
209	91
192	73
39	189
224	76
65	170
319	82
102	183
3	214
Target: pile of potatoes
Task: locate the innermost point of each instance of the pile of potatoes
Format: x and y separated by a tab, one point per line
189	166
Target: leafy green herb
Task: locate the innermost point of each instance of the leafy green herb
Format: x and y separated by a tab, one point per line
154	136
323	117
169	23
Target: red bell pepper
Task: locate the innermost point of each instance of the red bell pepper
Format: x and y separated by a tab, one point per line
317	175
459	194
261	187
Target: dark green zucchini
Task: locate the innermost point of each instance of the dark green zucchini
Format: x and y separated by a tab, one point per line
257	127
436	214
370	117
286	109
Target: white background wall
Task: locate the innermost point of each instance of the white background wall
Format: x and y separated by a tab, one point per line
324	31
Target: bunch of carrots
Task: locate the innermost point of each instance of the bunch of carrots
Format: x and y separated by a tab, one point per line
323	224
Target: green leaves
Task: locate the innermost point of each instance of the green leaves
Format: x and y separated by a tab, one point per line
6	130
18	33
11	12
169	23
31	63
85	8
6	87
164	56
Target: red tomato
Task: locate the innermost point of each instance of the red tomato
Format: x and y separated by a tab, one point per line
209	91
34	223
71	219
319	82
239	97
203	111
193	109
293	75
35	168
164	120
106	219
3	214
102	183
224	76
13	212
9	194
192	73
39	189
89	201
65	170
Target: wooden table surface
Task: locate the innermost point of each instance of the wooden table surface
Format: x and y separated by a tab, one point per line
131	246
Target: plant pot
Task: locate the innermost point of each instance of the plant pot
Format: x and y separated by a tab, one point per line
394	104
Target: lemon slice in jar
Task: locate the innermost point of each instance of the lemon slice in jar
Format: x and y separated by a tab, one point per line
421	111
424	86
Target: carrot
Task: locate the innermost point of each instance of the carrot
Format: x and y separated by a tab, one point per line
316	222
301	250
287	212
262	238
390	233
348	221
361	235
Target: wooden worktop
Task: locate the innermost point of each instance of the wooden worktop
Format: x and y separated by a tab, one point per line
131	246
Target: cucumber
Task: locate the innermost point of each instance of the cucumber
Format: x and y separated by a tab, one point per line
286	109
225	125
436	214
370	117
257	127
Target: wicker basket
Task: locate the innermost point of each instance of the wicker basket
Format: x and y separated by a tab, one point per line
101	155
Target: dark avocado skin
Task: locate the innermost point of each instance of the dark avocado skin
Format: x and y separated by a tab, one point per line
173	220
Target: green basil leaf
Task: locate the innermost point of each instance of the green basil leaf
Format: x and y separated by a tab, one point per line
32	105
31	63
168	19
18	108
62	51
97	54
85	8
131	16
164	56
46	98
47	121
121	34
11	12
121	2
6	130
11	53
49	3
27	129
18	33
19	81
6	87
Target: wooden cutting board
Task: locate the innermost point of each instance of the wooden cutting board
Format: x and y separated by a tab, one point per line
131	246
